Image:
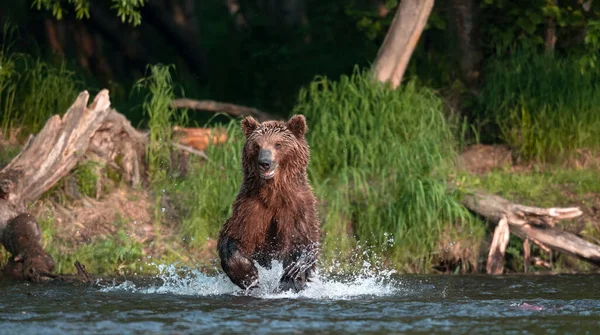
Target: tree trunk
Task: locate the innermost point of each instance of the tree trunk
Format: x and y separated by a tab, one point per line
551	32
400	42
190	49
463	16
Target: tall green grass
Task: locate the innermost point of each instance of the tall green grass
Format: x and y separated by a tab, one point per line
32	90
160	115
159	86
380	160
545	107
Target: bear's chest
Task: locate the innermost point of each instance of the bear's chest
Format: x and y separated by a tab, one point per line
281	230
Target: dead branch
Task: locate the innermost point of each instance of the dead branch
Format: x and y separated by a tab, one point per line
82	272
222	107
190	150
535	224
495	261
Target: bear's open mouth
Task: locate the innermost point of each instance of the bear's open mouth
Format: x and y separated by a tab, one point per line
268	174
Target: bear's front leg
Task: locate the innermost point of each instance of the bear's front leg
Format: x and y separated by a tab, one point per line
297	269
238	267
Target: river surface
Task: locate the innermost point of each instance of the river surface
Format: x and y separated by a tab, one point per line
367	304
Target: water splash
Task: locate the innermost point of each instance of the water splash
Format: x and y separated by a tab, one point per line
369	277
367	282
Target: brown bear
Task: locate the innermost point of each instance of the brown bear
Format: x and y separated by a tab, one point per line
275	213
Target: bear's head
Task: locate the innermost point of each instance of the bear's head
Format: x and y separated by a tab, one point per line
275	150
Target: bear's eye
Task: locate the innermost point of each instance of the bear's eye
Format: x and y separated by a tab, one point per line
277	146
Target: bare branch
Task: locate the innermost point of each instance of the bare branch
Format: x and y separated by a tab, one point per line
222	107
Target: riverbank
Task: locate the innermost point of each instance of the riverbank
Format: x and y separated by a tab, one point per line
110	227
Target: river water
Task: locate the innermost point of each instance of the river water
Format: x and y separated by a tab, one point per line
371	303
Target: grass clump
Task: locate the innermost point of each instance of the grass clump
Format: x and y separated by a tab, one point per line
380	159
545	107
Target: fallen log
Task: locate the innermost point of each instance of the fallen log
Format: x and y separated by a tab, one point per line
222	107
532	224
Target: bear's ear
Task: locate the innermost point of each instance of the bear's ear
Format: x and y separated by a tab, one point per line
297	125
249	125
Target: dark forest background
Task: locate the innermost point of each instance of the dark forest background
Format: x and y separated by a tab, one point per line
260	52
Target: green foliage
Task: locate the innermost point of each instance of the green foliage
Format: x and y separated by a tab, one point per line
127	10
81	7
545	107
592	43
7	153
509	22
86	175
379	163
544	188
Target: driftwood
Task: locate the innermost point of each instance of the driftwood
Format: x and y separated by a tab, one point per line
531	224
222	107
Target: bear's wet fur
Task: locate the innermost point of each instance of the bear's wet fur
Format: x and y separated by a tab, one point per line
275	212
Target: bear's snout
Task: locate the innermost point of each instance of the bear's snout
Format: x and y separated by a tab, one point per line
266	163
